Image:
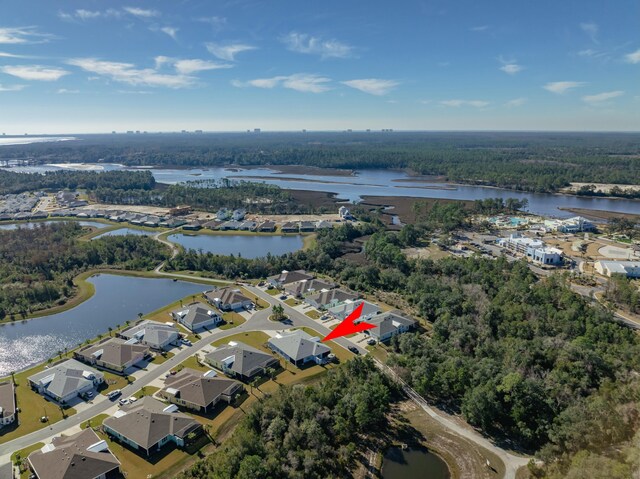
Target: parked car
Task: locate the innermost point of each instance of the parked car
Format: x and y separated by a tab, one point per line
89	394
186	342
331	357
371	342
123	402
354	350
283	297
114	394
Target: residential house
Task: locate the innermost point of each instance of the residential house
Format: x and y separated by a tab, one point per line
158	336
323	225
345	309
329	299
194	225
344	212
198	390
230	225
228	299
307	226
223	214
113	353
7	403
300	288
267	227
388	325
66	380
299	348
286	277
238	215
80	456
149	424
240	360
290	227
630	269
172	222
196	316
248	226
212	225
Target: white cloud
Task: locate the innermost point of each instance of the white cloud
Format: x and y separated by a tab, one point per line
84	15
633	57
171	31
215	21
11	55
11	87
515	102
303	82
590	29
34	72
372	86
87	14
561	87
479	28
189	66
602	97
141	12
591	53
458	103
511	68
228	52
128	73
63	91
304	43
22	35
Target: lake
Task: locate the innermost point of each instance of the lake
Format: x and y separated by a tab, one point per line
125	231
32	224
413	463
247	246
373	183
116	300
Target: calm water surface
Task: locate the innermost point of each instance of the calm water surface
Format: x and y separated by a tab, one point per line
116	300
254	246
125	231
413	464
378	183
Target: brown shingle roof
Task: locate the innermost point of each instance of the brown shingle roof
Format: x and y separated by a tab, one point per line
193	387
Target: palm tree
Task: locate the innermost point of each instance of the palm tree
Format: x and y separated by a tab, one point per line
143	390
271	373
13	377
140	315
110	330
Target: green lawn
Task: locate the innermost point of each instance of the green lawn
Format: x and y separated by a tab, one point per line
292	302
313	314
148	391
232	320
192	362
161	358
273	291
256	339
32	407
114	381
94	421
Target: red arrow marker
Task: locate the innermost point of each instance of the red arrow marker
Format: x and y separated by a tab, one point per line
347	326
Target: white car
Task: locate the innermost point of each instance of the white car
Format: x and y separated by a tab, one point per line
114	394
123	402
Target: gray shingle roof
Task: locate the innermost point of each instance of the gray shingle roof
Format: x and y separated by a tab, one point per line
152	332
7	399
114	351
71	458
307	285
197	389
389	322
241	358
343	310
195	315
145	422
227	295
298	345
287	277
66	377
325	298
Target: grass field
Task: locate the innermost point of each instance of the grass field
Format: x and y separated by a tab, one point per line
114	381
232	320
161	358
94	421
313	314
146	391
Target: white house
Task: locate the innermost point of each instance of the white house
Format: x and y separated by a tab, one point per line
7	403
156	335
299	348
196	316
238	215
66	380
388	325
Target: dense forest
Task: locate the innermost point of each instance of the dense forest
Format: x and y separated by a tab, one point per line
15	182
526	161
305	432
37	265
521	358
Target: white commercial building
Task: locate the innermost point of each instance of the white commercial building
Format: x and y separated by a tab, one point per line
577	224
630	269
532	248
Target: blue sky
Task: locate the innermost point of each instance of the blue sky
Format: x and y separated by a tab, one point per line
98	66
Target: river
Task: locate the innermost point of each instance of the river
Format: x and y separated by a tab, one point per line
116	300
374	183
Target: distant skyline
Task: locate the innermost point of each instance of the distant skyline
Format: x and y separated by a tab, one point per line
94	66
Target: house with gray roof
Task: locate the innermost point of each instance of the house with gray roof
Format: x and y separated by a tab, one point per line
66	380
299	348
158	336
149	424
388	325
330	298
345	309
7	403
79	456
197	316
114	354
286	277
303	287
240	360
198	390
228	298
